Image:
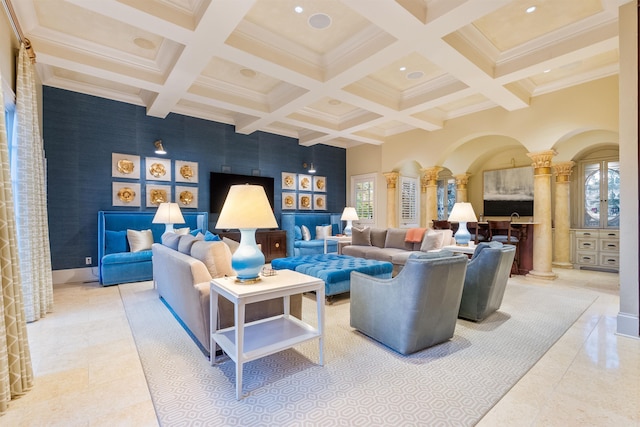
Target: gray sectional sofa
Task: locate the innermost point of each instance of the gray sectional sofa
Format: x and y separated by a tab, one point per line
392	245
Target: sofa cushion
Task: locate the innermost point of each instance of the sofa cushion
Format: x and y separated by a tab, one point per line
171	240
378	237
115	241
233	245
297	232
126	257
187	241
140	240
436	239
323	231
383	254
210	237
396	239
306	234
361	236
182	231
429	255
215	255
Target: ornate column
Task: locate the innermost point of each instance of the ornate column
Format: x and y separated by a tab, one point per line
561	239
392	198
462	181
542	233
423	200
430	180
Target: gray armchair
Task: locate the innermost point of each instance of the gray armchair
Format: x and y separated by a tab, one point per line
414	310
486	280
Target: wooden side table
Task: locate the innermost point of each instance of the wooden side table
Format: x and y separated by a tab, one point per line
247	342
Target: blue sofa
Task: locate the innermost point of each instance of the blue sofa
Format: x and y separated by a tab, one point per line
295	245
115	263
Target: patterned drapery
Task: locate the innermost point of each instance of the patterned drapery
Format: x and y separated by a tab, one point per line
30	196
16	374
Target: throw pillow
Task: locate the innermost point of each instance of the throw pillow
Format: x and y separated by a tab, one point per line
115	241
216	256
395	238
233	245
323	231
297	232
210	237
171	240
433	240
187	241
361	236
195	232
306	234
140	240
182	231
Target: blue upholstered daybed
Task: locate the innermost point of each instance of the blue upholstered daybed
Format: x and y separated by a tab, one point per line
116	264
296	246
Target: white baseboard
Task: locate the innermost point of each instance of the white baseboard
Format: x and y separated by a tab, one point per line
628	325
87	274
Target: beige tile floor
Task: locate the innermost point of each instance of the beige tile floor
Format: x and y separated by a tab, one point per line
87	371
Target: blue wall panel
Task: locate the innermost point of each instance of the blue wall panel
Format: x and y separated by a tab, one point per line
81	132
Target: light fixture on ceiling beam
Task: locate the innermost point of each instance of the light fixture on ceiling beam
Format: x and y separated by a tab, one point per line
159	147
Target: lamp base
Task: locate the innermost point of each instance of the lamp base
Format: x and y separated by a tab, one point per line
462	236
347	229
248	281
248	259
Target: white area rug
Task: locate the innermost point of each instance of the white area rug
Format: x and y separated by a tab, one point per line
362	381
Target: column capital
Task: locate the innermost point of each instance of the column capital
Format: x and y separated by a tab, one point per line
562	171
542	161
392	179
462	180
430	176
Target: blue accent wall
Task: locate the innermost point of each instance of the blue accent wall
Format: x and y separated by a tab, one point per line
82	131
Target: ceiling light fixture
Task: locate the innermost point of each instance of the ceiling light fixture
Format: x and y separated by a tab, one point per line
319	21
414	75
298	9
403	68
531	9
311	168
547	70
334	102
248	72
159	147
144	43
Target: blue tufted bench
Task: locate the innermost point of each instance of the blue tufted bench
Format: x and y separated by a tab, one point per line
334	269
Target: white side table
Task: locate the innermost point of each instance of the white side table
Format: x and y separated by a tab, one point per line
342	241
246	342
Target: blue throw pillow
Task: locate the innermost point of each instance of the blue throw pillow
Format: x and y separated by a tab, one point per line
115	241
210	237
297	232
335	229
195	232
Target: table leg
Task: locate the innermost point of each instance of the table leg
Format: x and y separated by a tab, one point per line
239	320
325	246
213	325
287	305
320	310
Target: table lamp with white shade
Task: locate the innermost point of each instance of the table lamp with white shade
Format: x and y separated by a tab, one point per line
349	214
168	214
462	213
247	209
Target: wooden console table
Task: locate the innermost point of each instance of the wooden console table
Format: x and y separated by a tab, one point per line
273	242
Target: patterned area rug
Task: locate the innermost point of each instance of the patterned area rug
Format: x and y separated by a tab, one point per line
362	381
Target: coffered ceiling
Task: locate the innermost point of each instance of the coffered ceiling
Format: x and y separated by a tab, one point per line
335	72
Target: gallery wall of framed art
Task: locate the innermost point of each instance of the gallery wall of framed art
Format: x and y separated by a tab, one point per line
304	192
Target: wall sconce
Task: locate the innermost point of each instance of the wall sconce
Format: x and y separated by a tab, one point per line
159	147
311	168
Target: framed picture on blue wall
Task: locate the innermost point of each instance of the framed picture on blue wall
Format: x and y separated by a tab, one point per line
125	194
320	202
125	166
319	183
157	193
157	169
289	180
304	182
289	201
186	197
186	171
304	201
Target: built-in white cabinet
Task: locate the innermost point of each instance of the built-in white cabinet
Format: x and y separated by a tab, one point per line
598	249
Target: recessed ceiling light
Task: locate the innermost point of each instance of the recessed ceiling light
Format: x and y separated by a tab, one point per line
415	75
247	72
547	70
403	68
334	102
531	9
298	9
320	21
144	43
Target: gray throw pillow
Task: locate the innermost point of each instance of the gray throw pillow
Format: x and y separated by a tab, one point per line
186	241
361	236
171	240
396	238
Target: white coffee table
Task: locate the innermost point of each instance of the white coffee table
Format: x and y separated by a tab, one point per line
342	241
469	250
246	342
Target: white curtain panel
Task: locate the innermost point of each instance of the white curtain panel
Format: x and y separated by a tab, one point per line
30	196
16	373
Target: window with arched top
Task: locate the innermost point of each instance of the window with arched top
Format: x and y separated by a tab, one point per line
601	194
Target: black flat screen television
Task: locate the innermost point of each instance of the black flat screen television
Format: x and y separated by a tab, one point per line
219	184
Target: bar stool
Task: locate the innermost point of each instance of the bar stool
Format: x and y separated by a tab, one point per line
504	232
478	234
441	225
